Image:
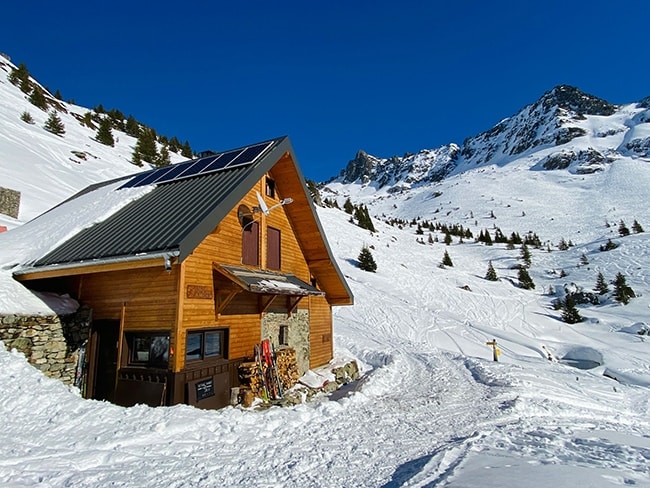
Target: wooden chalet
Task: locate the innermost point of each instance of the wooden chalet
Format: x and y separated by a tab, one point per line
222	252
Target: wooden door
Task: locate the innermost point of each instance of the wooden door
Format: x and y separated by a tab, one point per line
103	359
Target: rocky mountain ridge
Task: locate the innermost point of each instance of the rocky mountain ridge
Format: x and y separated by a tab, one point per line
543	131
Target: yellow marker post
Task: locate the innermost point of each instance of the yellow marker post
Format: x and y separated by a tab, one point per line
495	350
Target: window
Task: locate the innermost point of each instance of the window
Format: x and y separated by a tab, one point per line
148	349
283	336
273	248
270	188
206	344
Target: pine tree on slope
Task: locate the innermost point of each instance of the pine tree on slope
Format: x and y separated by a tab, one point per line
366	260
54	124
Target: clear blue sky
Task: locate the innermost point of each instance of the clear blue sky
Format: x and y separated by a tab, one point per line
386	77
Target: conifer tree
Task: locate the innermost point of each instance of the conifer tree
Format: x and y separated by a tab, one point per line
622	229
20	77
132	127
525	281
104	133
37	98
636	227
366	260
570	313
563	246
488	239
608	246
54	124
491	274
430	240
145	148
347	206
163	158
622	292
584	260
525	255
601	285
186	150
27	117
57	95
446	260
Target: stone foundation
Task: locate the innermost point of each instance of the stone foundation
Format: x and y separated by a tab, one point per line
50	343
298	334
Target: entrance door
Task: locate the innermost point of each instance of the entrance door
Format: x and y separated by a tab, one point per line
103	360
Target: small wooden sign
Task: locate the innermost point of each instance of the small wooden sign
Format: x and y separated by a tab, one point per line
204	389
199	291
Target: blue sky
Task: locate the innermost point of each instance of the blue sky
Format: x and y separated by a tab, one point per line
385	77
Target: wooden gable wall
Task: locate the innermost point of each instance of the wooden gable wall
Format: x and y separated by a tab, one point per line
224	246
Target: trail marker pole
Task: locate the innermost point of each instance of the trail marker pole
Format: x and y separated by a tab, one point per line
495	350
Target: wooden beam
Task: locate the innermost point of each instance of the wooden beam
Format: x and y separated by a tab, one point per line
87	269
221	303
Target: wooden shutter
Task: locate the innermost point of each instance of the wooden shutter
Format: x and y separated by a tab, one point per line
273	248
251	244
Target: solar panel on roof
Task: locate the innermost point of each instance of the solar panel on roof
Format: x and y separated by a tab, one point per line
205	165
248	155
135	181
196	168
222	161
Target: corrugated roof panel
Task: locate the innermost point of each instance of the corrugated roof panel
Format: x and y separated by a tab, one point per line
156	222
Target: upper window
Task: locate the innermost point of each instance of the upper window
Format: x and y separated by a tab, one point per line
270	188
206	344
149	349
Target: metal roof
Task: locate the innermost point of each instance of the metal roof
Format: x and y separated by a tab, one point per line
172	217
176	216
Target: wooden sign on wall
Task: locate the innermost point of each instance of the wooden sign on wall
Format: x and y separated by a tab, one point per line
199	291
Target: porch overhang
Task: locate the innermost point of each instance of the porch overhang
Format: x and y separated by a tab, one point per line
267	282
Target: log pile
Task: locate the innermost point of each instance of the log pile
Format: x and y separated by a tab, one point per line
251	373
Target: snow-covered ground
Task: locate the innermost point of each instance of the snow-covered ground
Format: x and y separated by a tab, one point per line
432	408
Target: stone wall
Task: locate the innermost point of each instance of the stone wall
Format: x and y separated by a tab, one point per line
50	343
9	202
298	333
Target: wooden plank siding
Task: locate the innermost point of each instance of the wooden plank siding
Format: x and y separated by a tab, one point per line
148	294
321	342
224	247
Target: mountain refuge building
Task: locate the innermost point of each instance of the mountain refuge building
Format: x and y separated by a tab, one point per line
182	270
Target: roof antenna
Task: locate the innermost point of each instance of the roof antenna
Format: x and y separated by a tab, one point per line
263	207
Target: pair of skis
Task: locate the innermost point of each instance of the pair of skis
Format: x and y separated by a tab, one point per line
267	368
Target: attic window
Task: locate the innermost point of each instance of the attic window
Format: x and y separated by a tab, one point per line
270	188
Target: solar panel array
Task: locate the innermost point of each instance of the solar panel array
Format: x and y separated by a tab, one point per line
209	164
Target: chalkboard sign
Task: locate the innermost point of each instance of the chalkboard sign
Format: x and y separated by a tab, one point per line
204	389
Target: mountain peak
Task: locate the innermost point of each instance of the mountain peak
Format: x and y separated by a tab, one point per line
572	99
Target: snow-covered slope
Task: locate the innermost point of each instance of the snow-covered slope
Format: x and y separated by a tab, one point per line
432	409
46	168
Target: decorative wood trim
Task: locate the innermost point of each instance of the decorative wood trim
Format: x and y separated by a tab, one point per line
120	342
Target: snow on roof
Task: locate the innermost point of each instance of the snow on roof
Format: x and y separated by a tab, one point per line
23	245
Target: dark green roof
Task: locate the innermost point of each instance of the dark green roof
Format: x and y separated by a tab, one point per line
174	217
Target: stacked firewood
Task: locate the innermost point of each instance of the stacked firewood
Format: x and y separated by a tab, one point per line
252	374
287	367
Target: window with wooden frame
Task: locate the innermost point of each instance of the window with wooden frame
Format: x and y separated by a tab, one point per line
270	187
148	349
251	243
206	344
273	248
